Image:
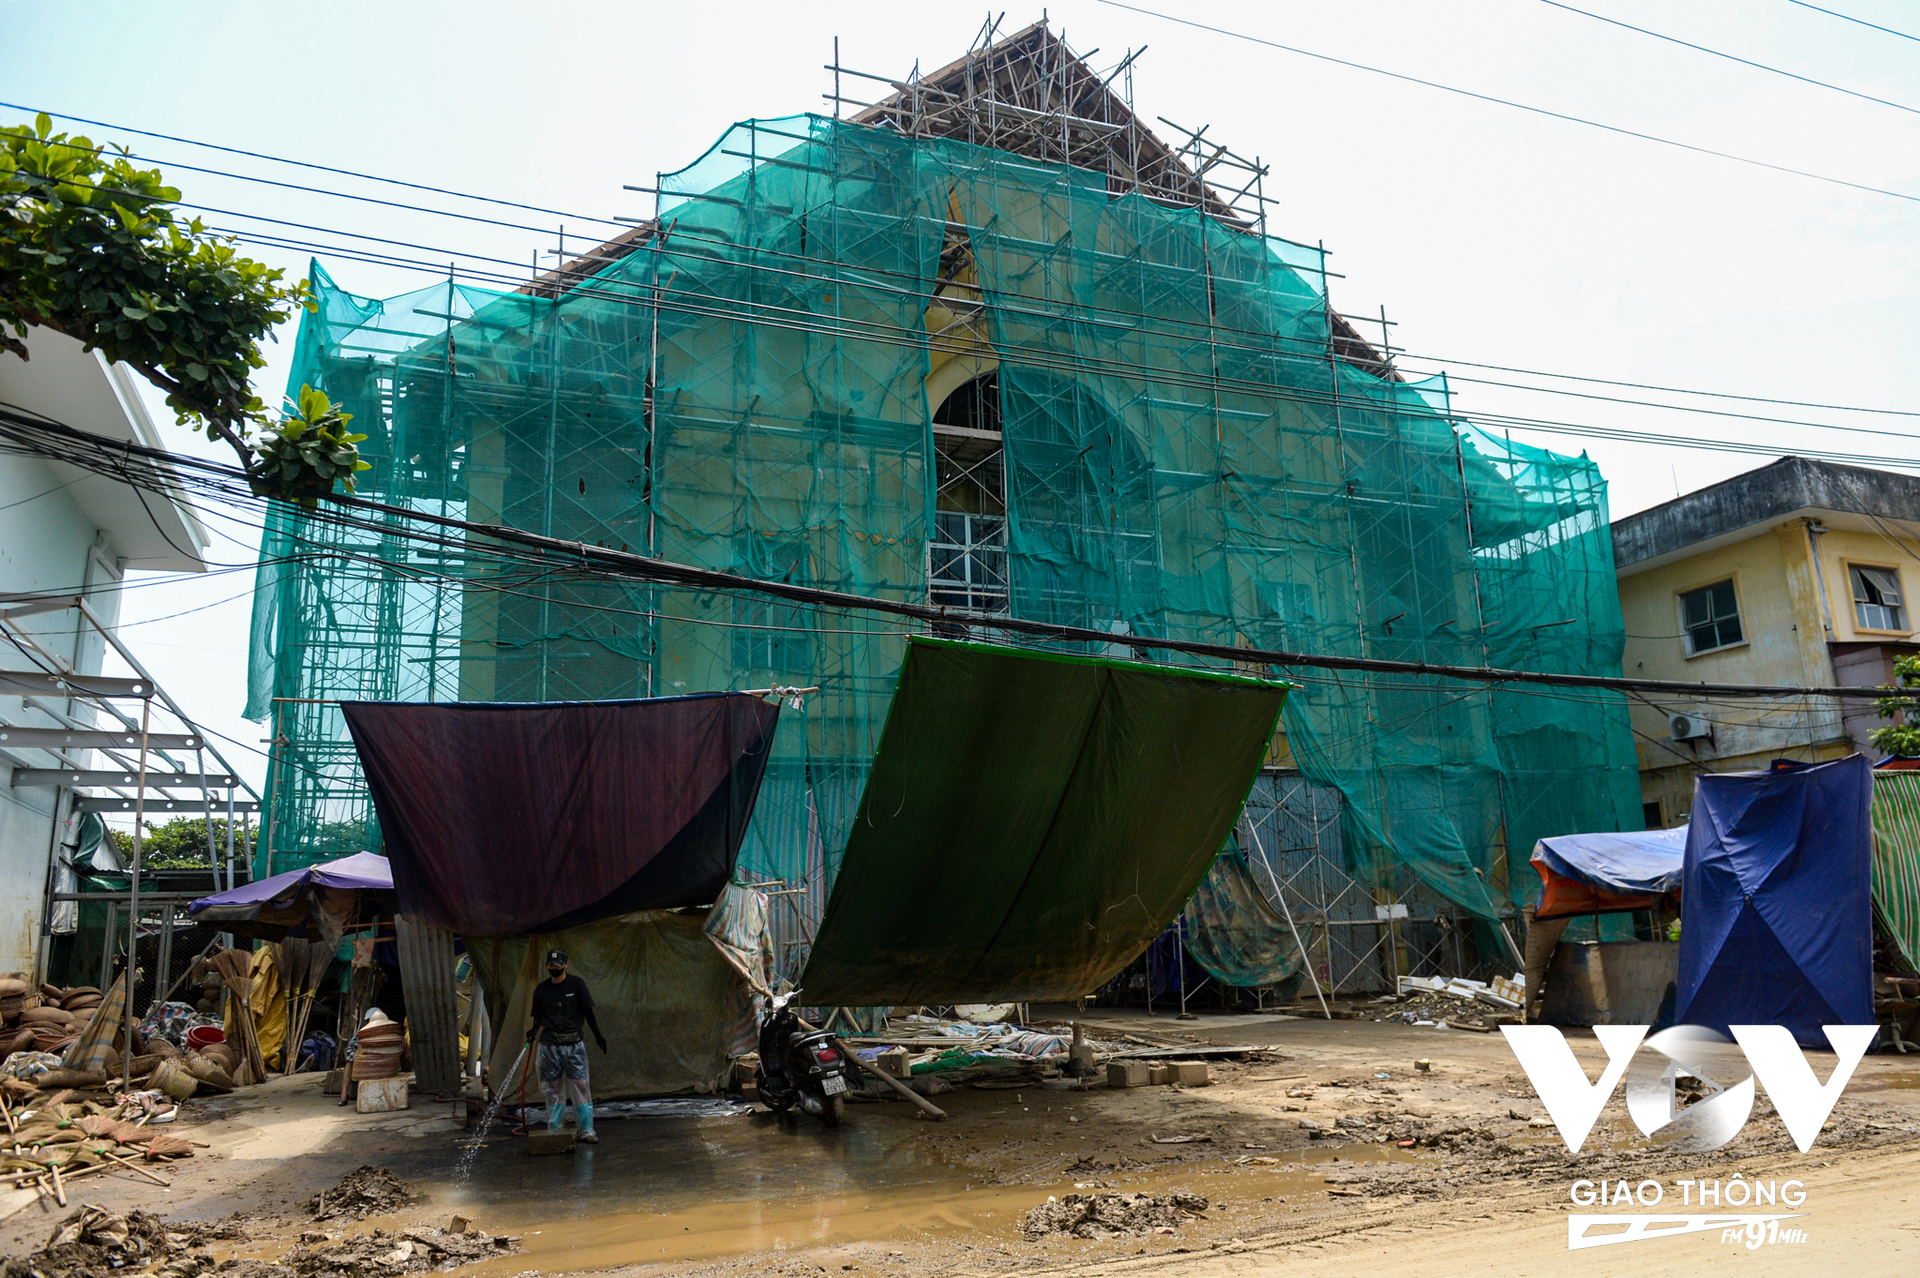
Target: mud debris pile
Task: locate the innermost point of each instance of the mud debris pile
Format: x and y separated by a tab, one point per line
93	1242
368	1191
1105	1215
1431	1008
380	1253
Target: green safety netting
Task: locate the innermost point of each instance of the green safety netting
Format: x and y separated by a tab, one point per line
1017	840
1233	930
1141	419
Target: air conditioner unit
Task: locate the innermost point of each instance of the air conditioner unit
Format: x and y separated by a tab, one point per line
1689	727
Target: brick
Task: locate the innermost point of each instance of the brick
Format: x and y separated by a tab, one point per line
1159	1075
1189	1073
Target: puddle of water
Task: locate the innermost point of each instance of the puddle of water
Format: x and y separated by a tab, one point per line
909	1212
1902	1082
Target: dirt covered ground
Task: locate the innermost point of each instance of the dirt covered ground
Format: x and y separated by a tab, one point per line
1326	1149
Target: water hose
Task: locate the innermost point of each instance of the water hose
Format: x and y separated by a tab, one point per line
520	1128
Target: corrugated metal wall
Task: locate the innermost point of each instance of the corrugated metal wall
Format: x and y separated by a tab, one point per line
433	1023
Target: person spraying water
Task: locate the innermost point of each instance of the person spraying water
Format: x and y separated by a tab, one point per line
561	1005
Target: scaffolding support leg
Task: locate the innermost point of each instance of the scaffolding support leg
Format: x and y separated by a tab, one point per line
1306	959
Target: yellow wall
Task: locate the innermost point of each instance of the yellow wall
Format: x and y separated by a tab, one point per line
1786	636
1840	547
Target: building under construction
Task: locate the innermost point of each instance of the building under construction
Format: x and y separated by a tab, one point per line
992	343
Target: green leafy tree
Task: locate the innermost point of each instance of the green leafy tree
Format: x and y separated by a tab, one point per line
181	844
91	246
1901	738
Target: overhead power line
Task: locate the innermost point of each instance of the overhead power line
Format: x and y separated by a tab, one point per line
437	267
1701	48
693	303
303	164
1518	106
1834	13
161	470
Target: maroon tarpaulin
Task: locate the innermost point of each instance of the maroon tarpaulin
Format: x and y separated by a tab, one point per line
506	819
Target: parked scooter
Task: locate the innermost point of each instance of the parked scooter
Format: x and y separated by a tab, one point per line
799	1065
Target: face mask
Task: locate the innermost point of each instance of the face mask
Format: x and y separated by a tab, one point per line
556	971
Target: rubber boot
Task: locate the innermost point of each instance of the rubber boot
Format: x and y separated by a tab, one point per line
587	1133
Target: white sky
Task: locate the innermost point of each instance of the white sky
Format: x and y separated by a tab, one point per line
1489	234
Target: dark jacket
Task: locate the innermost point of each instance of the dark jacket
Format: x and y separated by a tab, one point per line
558	1010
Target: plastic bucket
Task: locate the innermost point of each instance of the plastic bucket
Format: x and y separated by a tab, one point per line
201	1035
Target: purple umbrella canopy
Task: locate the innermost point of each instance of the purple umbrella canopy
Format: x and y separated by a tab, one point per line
285	904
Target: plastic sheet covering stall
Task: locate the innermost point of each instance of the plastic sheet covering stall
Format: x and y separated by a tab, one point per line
1896	860
668	1002
1776	915
1235	933
506	819
1031	822
1583	874
316	900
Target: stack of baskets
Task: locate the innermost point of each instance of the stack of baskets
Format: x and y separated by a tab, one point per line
382	1045
46	1019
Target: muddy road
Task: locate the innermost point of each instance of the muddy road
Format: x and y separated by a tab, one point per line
1329	1149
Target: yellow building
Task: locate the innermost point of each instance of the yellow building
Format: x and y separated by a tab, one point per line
1792	574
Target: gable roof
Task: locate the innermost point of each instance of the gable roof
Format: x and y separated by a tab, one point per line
1029	94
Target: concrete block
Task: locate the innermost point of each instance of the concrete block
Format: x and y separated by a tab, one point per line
380	1095
1127	1074
1159	1075
1189	1073
895	1061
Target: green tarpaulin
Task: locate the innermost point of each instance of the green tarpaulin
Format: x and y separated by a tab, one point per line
1031	822
670	1004
1896	860
1235	933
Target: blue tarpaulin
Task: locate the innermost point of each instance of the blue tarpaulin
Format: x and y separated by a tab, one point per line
1776	909
1635	862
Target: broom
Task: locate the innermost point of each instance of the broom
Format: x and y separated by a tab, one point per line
308	964
236	968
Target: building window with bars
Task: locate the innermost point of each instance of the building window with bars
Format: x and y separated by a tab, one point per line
1877	600
1710	617
967	561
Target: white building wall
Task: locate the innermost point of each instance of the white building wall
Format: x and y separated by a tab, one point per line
47	545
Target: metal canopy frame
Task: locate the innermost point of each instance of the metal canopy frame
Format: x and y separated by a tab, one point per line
147	763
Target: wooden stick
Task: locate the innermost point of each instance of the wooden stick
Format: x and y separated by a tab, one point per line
130	1165
932	1110
71	1176
7	1114
59	1190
